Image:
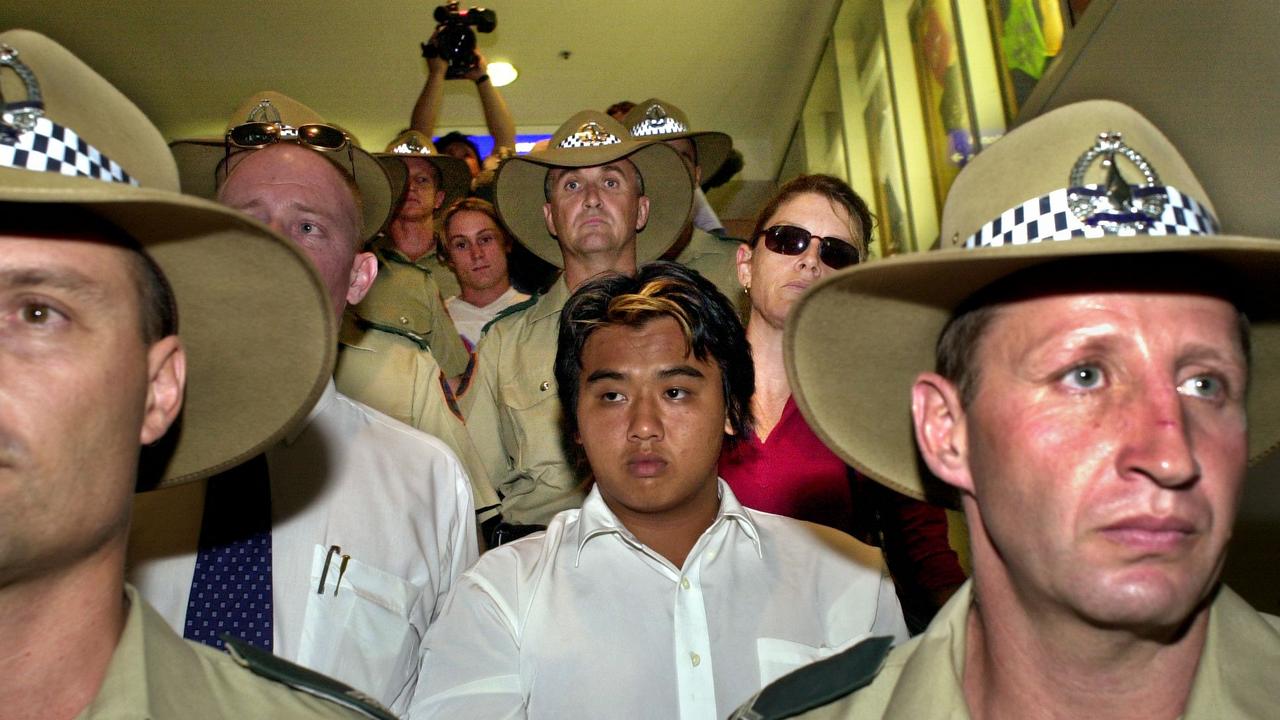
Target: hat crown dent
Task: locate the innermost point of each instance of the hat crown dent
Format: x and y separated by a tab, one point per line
1040	157
94	129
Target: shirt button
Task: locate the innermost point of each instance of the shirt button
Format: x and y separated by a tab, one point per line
695	659
404	320
545	386
684	583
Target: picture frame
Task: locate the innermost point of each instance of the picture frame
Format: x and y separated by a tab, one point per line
1025	36
946	98
894	227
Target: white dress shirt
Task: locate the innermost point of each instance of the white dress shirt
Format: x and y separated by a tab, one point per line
394	499
470	320
584	621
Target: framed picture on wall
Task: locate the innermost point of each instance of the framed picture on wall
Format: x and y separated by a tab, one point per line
893	215
1026	35
945	96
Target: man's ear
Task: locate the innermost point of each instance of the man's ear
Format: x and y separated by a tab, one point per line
744	265
166	381
642	212
551	222
364	270
941	430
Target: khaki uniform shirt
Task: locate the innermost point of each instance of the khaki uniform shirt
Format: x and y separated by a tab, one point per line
513	413
156	674
716	259
405	300
924	679
391	374
444	277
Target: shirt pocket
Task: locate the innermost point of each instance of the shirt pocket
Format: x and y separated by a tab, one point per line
358	628
532	410
777	657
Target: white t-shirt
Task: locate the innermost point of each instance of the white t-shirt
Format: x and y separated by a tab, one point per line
470	320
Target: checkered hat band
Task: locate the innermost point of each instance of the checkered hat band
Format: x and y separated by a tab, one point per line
49	147
664	126
574	141
1049	217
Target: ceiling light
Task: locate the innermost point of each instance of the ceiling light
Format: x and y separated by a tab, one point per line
502	73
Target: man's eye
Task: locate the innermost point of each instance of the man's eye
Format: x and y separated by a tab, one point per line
1203	386
1084	377
38	314
612	396
307	228
571	185
677	393
611	183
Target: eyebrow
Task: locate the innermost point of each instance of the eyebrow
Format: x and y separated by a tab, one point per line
677	371
67	279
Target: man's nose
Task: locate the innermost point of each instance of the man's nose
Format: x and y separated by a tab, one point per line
646	424
1158	442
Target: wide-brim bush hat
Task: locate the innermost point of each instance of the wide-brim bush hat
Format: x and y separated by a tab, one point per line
1095	179
587	139
253	315
201	161
455	176
656	119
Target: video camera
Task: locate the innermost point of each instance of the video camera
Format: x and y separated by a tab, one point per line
454	40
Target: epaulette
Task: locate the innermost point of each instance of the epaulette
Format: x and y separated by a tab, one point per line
264	664
511	310
818	684
403	332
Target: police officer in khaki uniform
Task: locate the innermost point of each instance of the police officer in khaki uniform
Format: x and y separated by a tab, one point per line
102	265
712	254
594	201
384	356
408	297
1091	404
433	182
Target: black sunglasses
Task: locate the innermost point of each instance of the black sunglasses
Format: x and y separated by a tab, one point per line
791	240
316	136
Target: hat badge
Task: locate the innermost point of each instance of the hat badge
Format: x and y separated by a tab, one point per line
410	146
1115	204
590	134
18	118
657	122
264	112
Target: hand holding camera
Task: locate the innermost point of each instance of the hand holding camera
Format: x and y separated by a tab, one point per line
454	41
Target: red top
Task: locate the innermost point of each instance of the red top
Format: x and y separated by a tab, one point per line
793	474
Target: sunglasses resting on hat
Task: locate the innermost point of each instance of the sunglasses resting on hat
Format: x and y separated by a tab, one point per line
792	240
316	136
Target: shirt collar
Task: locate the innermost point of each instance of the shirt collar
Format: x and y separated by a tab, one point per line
327	397
125	692
551	303
595	519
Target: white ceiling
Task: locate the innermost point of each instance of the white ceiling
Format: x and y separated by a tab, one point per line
741	66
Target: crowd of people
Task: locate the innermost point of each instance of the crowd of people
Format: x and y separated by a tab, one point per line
557	445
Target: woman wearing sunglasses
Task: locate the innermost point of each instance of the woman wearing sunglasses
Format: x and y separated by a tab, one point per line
814	226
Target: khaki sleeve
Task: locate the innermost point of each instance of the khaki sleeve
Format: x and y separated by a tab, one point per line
431	414
479	405
446	344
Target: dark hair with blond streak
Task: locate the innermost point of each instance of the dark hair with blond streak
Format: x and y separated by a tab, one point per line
660	289
833	189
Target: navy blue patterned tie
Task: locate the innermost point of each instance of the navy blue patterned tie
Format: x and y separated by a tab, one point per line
231	587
